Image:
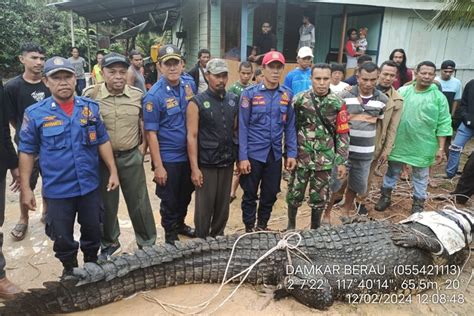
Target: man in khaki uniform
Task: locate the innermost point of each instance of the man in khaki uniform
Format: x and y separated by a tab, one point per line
121	110
387	130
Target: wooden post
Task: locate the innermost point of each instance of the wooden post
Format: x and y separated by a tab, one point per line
343	34
73	42
244	14
88	45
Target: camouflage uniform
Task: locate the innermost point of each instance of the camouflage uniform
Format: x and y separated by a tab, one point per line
316	154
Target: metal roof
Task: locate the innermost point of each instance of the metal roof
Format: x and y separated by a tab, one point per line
105	10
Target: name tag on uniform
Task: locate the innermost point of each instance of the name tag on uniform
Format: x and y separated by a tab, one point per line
53	123
258	100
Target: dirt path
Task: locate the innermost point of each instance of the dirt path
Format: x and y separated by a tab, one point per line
31	262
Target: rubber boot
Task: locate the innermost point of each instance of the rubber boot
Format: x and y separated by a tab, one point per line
385	199
316	214
418	205
171	235
291	217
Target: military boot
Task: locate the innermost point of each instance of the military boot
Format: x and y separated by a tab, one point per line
171	235
291	217
385	199
316	214
68	267
417	206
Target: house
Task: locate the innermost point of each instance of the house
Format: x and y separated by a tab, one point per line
220	24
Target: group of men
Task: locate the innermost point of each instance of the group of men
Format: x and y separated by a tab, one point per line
87	147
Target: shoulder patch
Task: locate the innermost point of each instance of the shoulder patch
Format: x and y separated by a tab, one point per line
149	106
245	102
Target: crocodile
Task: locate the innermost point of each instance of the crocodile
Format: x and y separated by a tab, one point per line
330	264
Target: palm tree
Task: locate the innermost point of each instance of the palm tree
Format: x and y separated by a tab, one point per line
453	13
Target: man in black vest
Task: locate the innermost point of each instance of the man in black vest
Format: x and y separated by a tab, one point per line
211	120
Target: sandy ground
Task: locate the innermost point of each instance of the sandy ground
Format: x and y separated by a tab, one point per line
31	262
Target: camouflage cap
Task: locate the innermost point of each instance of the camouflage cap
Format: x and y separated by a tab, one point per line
217	66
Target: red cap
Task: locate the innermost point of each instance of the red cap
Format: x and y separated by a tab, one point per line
273	56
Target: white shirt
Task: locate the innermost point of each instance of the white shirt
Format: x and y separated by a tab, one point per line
339	87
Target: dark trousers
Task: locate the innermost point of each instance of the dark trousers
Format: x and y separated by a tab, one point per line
2	218
465	184
212	202
267	176
175	195
80	85
60	220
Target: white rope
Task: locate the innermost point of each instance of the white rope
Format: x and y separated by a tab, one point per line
282	244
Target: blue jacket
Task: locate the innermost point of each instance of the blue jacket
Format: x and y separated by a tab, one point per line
164	111
298	80
67	146
264	115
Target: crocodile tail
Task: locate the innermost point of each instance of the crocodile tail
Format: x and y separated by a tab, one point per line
193	261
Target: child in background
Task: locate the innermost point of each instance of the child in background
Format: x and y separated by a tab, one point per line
362	41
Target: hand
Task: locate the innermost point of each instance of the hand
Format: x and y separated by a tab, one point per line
27	199
439	156
113	182
244	166
290	164
15	185
348	88
197	178
341	172
160	176
142	149
383	158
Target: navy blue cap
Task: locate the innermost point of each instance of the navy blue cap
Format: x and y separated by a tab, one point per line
56	63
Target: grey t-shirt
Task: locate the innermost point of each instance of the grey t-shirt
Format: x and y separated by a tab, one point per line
79	65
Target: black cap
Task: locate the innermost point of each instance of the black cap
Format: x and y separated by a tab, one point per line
113	58
448	64
168	52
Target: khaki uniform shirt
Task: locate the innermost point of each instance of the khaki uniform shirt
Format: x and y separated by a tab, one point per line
121	114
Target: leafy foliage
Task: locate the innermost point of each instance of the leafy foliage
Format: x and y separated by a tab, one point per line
33	21
455	13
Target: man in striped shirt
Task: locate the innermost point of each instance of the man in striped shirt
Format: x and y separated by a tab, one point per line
365	105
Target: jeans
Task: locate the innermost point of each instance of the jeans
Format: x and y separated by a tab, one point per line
420	177
463	135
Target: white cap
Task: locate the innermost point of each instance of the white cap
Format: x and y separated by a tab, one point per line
305	51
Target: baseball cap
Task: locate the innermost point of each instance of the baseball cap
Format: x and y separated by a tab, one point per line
113	58
217	66
57	63
273	56
448	64
305	51
168	52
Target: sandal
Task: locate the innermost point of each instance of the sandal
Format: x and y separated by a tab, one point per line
19	231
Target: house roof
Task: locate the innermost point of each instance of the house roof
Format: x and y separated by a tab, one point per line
105	10
400	4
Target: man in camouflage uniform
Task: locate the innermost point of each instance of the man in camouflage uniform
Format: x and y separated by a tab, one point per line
321	145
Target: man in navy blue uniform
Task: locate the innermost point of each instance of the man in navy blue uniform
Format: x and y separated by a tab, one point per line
68	134
164	114
265	114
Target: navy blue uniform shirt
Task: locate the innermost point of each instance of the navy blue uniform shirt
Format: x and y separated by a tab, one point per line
164	111
264	115
67	146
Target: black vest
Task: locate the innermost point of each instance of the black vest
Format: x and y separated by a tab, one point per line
217	145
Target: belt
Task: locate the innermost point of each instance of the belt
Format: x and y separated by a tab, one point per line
120	153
